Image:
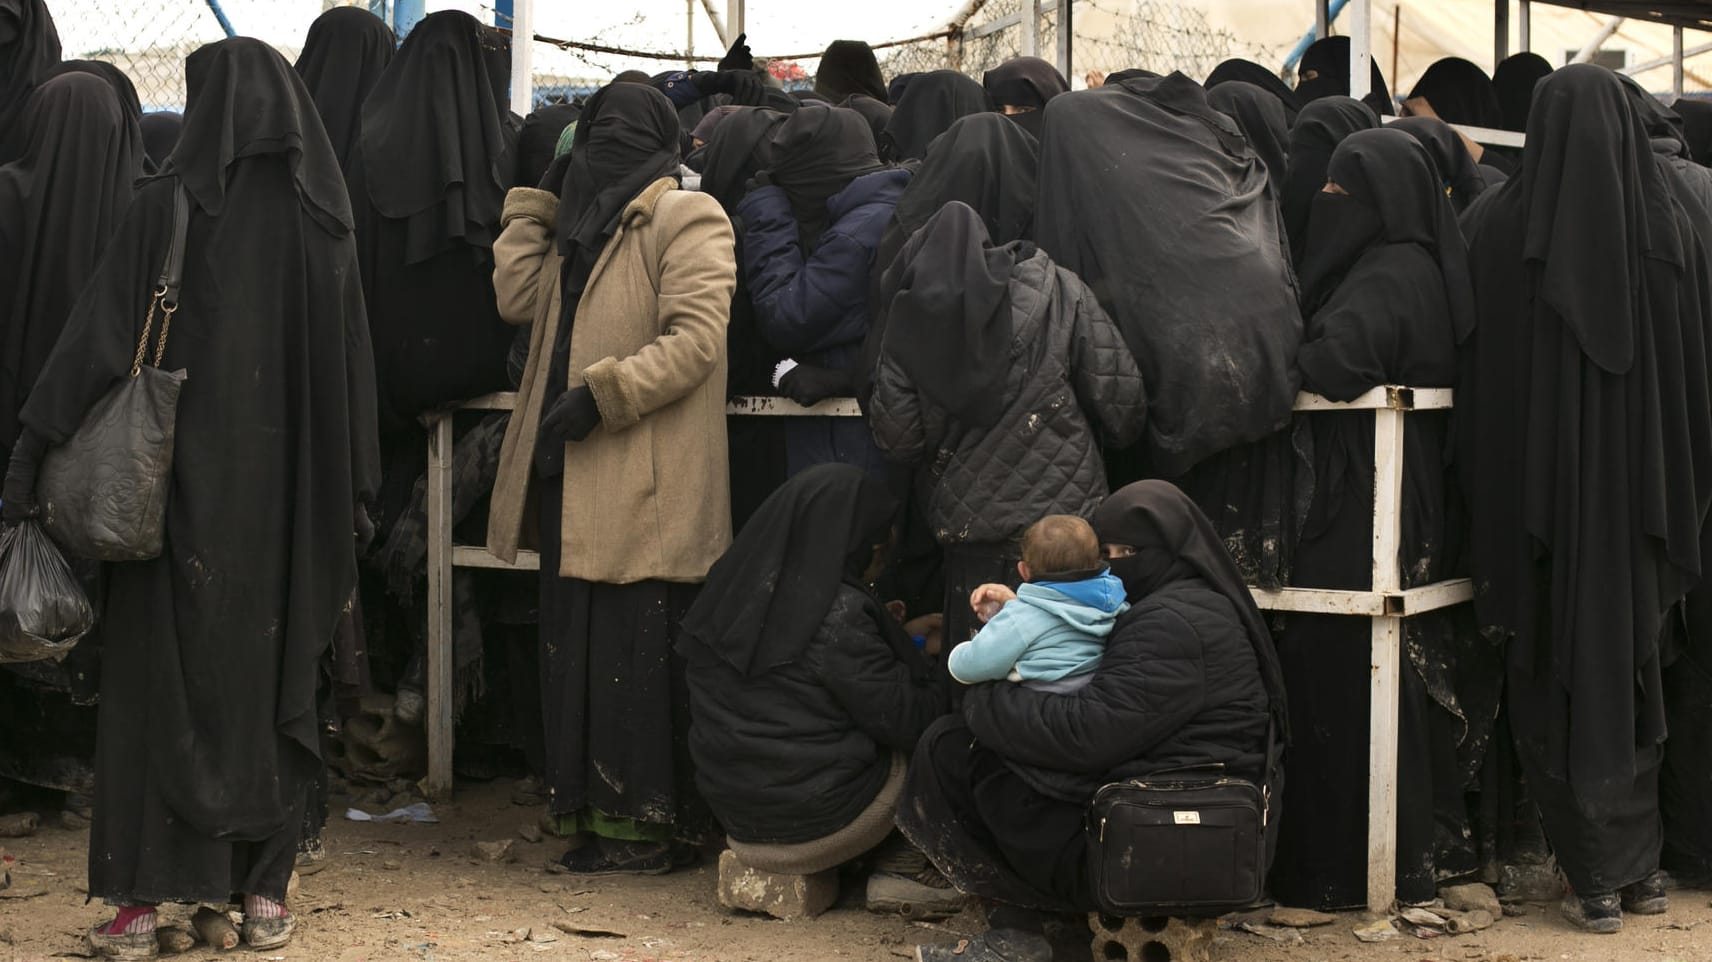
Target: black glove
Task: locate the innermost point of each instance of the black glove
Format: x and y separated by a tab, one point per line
18	494
572	418
739	57
744	86
808	385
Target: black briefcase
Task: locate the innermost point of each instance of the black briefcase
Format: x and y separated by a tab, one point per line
1178	845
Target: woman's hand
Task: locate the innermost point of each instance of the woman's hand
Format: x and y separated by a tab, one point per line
931	627
988	599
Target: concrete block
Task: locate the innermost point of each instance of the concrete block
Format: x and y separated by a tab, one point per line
781	896
1152	940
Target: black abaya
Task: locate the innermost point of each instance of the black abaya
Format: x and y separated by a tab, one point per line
29	47
1593	457
60	203
1320	127
209	742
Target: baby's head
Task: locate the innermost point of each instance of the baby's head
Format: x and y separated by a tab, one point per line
1060	547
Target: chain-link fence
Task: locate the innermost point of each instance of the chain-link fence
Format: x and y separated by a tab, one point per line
149	39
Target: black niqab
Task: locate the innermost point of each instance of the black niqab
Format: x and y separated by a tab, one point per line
122	86
1460	93
29	46
738	148
627	138
849	67
60	203
1328	58
344	55
1320	127
1696	127
433	144
1514	82
765	599
984	161
1217	358
933	102
815	154
1451	160
160	136
949	315
1264	124
1247	71
538	141
1174	541
1024	82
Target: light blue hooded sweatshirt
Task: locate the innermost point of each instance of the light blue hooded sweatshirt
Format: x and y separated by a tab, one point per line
1054	630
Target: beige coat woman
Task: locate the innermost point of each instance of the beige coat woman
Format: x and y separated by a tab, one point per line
647	495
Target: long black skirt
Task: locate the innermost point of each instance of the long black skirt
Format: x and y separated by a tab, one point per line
612	689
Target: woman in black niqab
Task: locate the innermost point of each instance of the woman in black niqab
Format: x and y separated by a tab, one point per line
60	203
1589	467
1247	71
1385	285
816	152
113	76
201	785
1264	124
848	67
933	102
1696	127
1324	72
1021	87
1514	82
160	136
344	55
1461	176
1320	127
29	47
538	141
1459	93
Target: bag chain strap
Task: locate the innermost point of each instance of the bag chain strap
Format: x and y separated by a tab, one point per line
167	309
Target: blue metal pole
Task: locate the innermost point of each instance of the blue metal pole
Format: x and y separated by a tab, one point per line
502	12
1307	40
220	15
379	9
405	14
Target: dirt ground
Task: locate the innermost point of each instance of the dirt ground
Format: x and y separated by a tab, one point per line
421	893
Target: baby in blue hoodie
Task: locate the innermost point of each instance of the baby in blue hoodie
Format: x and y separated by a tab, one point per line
1053	635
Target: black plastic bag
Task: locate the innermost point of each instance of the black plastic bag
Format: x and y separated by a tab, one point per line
43	610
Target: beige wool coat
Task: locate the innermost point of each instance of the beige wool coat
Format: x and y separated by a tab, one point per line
647	495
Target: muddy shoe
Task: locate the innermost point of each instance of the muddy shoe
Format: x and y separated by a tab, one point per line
608	857
131	945
924	895
1600	914
995	945
1646	897
269	933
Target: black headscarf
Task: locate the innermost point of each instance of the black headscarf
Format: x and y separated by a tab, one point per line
1132	73
849	67
899	84
246	101
949	314
1696	127
1329	59
984	161
160	136
738	148
538	141
1514	82
29	45
1173	542
627	138
115	78
60	203
933	102
1454	164
1217	357
344	55
434	146
765	599
1390	177
1460	93
1247	71
815	154
1320	127
877	114
1027	82
1261	118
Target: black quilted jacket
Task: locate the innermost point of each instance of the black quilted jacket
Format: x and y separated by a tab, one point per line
1070	367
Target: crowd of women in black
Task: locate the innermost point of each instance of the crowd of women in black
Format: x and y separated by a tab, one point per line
1100	303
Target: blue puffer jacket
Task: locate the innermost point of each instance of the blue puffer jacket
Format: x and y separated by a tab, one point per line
813	306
